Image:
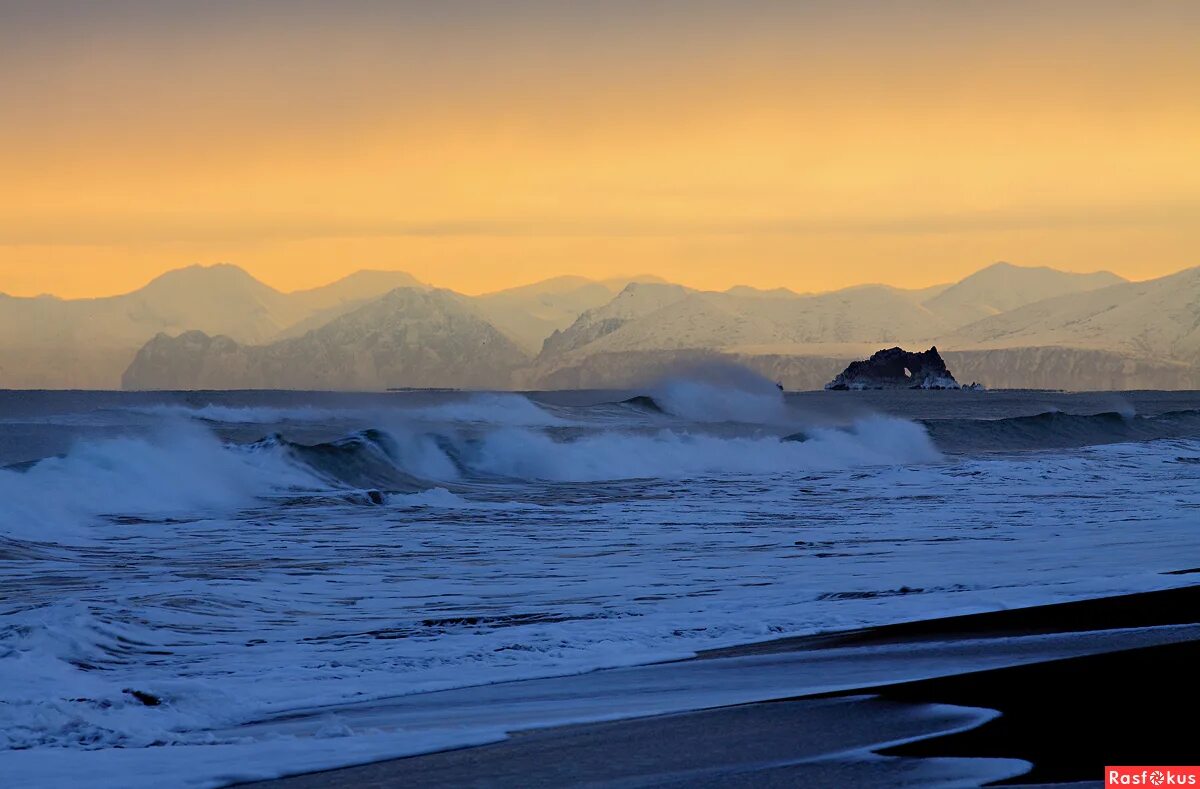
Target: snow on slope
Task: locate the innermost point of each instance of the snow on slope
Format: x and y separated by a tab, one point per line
1158	318
411	337
641	319
1002	286
88	343
531	313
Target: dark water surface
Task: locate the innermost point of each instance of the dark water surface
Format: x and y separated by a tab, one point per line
233	556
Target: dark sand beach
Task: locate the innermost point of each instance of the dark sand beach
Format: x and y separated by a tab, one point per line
1090	683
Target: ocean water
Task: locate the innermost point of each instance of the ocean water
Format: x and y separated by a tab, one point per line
181	571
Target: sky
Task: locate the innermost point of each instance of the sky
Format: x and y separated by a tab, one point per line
480	144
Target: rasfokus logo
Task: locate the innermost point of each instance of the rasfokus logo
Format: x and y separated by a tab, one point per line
1152	776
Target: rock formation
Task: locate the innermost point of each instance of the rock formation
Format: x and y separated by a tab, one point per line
896	368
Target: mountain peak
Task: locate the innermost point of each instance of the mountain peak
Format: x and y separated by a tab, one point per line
359	286
554	285
1003	267
768	293
376	275
1005	286
203	269
410	336
199	275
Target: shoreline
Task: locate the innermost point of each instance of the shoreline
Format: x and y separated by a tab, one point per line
1045	694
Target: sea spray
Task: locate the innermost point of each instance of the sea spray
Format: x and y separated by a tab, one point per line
721	393
179	470
668	454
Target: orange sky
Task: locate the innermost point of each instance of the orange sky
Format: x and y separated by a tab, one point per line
478	145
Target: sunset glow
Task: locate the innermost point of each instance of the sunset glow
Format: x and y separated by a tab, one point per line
811	145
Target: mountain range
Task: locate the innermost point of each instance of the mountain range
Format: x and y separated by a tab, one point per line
436	338
47	342
218	327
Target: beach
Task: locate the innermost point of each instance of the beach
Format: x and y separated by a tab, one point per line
1066	692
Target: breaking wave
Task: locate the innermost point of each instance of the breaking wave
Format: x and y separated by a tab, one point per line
186	471
754	401
612	455
368	459
181	471
494	408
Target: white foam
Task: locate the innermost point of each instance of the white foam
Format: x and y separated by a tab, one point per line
753	400
179	470
491	408
677	454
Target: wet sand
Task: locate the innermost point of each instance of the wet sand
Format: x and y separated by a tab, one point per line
1049	720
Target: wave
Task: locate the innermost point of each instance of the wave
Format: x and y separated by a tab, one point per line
183	471
370	459
492	408
1059	430
611	455
642	403
727	394
758	401
378	458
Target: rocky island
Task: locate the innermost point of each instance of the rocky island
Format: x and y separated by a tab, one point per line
896	368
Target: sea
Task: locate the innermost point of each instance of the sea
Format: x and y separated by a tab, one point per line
183	574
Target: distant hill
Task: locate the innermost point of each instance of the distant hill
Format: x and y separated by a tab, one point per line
530	313
321	305
1157	319
635	301
47	342
411	337
1002	287
1006	325
356	287
773	293
848	324
669	317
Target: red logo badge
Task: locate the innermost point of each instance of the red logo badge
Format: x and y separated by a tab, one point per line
1158	775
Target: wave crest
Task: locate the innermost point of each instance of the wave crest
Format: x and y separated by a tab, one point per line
181	471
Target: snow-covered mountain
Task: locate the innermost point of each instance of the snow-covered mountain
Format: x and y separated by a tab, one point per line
218	326
635	301
411	337
1002	287
87	343
321	305
842	324
530	313
670	317
1156	319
